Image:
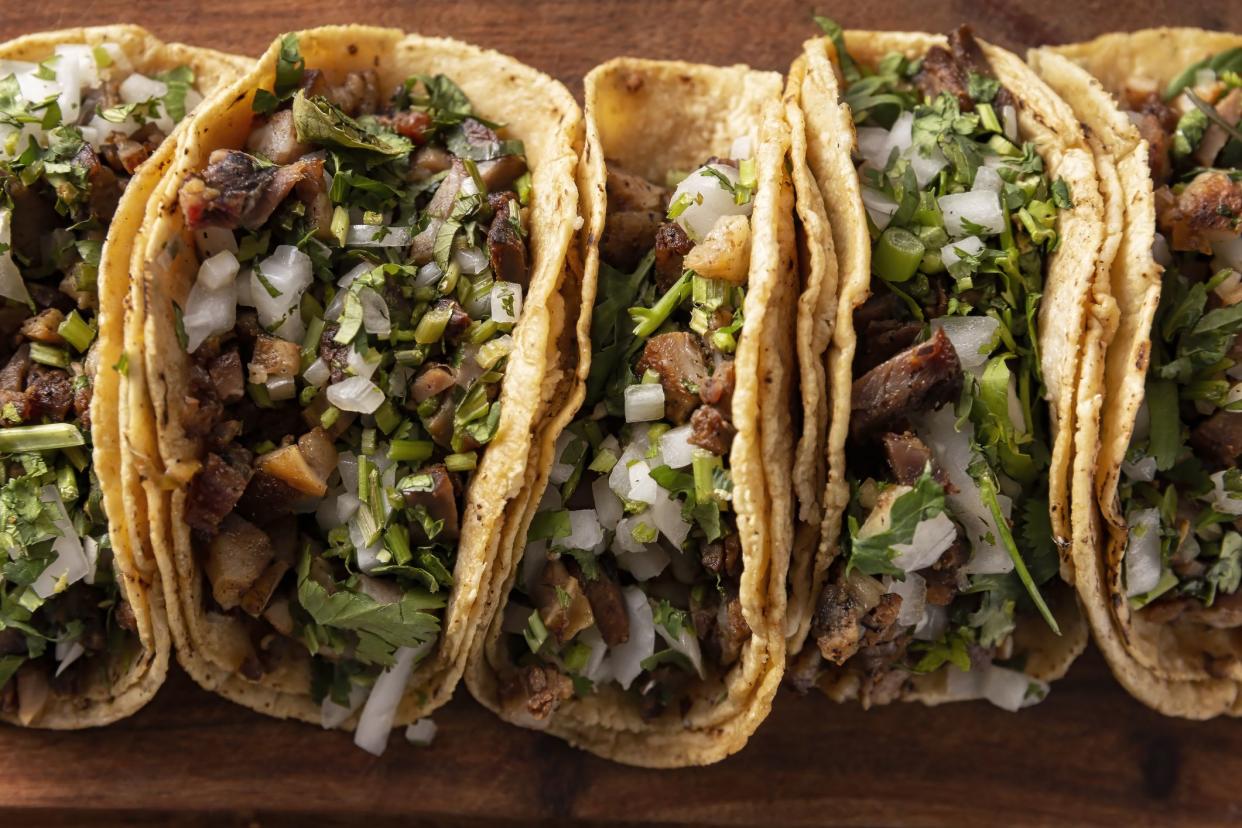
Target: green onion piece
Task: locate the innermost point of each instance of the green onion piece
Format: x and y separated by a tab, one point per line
49	355
493	351
259	393
431	327
397	540
747	178
40	437
928	214
679	205
369	442
897	255
461	462
603	462
522	185
988	119
340	224
77	456
307	395
76	331
704	463
329	417
387	417
310	342
485	331
264	447
1002	146
412	357
410	451
67	484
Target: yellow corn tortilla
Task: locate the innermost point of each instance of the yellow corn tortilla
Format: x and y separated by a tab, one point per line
1163	665
833	191
129	679
652	117
537	109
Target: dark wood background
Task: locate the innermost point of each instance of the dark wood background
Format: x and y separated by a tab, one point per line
1088	755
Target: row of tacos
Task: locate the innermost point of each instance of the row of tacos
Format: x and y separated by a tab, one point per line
373	364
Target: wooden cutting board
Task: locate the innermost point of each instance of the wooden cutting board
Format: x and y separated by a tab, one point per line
1088	755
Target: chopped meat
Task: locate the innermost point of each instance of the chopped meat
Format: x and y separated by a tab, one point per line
42	327
627	192
1215	138
257	598
941	577
1208	210
723	557
731	631
357	94
122	153
804	669
533	692
277	140
83	390
458	320
880	624
441	204
939	74
33	218
333	353
238	190
434	492
236	558
607	604
411	123
908	456
288	478
428	161
921	378
214	491
835	626
432	381
226	376
500	173
201	408
660	689
1218	439
883	676
13	375
50	392
1158	143
718	390
671	246
628	236
505	249
969	55
105	188
440	424
678	359
711	429
883	340
561	601
274	358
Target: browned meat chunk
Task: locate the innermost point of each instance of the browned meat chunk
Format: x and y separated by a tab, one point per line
50	392
105	188
333	353
883	340
277	140
627	192
922	378
237	190
226	376
274	358
432	381
561	601
82	393
940	74
42	327
723	557
413	124
432	490
671	246
236	558
505	249
718	390
731	631
1158	143
1208	210
500	173
969	55
880	624
1218	439
214	491
836	626
607	604
908	456
357	94
711	429
941	577
532	692
628	236
428	161
678	359
33	218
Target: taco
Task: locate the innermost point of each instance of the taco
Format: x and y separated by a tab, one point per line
350	294
86	119
1157	493
643	595
964	211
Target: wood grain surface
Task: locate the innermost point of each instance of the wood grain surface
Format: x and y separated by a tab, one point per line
1089	755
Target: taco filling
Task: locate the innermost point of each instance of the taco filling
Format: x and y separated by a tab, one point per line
73	129
633	562
364	258
1181	490
949	545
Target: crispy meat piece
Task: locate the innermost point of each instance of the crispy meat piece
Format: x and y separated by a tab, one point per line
274	358
428	161
357	94
671	246
607	604
215	490
411	123
226	375
921	378
628	236
884	340
333	353
83	391
277	140
432	381
505	249
731	631
940	73
908	456
531	693
835	626
718	390
969	55
236	558
628	192
201	408
42	327
439	499
50	392
1158	143
237	190
1208	210
941	577
711	429
562	602
678	358
105	188
500	173
880	624
1218	439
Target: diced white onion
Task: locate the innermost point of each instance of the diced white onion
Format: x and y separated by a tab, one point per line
676	448
377	235
973	338
317	373
597	667
1009	117
356	394
987	179
1222	500
219	270
381	706
953	252
1143	565
927	167
979	207
363	366
585	531
138	88
471	260
686	643
69	76
289	272
68	652
212	240
207	312
871	144
506	301
900	137
1142	470
1009	689
347	465
932	537
879	207
70	563
333	715
1205	77
709	200
12	286
666	512
607	504
913	592
375	318
1229	251
644	402
428	275
935	621
561	471
643	488
626	659
741	148
619	477
421	733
